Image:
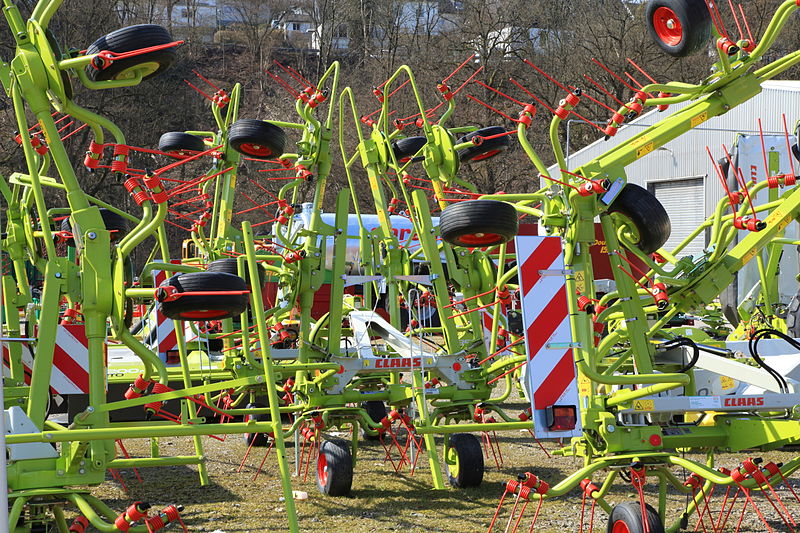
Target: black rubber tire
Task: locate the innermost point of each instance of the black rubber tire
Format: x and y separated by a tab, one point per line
180	143
257	138
207	306
335	468
796	145
630	514
255	439
127	40
485	150
115	223
468	471
647	215
376	410
229	266
478	223
59	55
404	149
793	316
692	32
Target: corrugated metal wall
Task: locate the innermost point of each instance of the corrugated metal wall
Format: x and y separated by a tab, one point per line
685	157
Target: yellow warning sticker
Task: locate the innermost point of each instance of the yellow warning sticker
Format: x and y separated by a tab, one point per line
580	281
584	386
644	150
699	119
643	405
748	256
727	382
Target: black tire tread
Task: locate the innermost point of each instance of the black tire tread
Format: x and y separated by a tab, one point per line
631	514
646	213
478	216
694	18
376	410
408	147
470	459
232	304
254	131
129	39
471	152
175	141
340	467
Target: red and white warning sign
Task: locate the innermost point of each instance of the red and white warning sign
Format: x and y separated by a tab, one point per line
70	371
550	375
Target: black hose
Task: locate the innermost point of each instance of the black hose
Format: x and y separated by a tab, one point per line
753	347
683	341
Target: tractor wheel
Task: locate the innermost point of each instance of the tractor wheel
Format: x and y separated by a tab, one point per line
464	460
645	214
335	468
128	40
376	410
627	518
203	306
793	316
114	222
679	27
478	223
487	148
256	439
257	138
180	143
229	266
408	148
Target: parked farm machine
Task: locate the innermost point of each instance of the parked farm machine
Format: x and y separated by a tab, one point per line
628	385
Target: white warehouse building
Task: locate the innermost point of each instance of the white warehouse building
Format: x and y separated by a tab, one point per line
681	174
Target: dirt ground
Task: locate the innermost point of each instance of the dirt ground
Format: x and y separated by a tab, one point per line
381	500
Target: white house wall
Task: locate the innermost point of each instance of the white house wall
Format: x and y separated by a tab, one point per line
686	156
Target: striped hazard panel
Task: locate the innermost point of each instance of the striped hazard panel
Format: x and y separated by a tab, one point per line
550	383
70	371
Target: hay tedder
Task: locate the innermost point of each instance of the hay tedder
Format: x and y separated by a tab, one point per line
282	322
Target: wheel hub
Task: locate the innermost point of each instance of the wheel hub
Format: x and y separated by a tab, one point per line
667	26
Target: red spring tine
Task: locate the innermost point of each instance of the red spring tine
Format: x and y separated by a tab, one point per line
603	89
545	74
613	74
73	132
640	69
595	100
736	19
197	73
740	179
538	100
788	146
470	58
747	25
716	18
723	181
190	84
280	81
763	149
487	106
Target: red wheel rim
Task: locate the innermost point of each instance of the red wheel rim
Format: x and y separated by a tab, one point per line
203	315
620	527
322	469
480	239
255	149
667	26
487	155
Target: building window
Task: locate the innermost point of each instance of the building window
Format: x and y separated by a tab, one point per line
294	26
